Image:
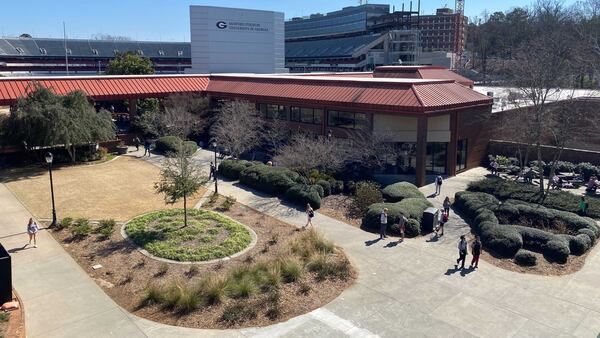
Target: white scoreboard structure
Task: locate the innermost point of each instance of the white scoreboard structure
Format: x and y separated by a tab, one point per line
232	40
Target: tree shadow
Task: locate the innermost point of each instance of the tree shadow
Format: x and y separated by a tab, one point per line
114	247
22	173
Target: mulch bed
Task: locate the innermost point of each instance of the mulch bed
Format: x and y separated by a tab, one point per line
126	273
338	207
14	327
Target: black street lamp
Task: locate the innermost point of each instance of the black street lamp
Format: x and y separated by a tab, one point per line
49	158
214	145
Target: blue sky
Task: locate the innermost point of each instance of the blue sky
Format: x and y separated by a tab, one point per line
168	20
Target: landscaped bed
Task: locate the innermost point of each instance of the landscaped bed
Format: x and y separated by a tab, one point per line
287	273
534	237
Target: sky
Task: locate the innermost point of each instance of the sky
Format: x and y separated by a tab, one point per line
168	20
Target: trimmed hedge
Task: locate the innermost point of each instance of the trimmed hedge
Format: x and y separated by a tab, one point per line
304	193
337	186
172	144
401	190
326	187
506	239
561	200
525	258
272	180
411	208
232	168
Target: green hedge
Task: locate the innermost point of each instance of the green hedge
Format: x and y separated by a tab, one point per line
172	144
232	168
272	180
525	258
561	200
506	239
411	208
401	190
304	193
326	187
337	186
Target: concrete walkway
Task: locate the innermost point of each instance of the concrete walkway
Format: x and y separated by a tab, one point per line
410	289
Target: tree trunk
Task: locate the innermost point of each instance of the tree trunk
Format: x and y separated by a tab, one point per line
71	151
184	210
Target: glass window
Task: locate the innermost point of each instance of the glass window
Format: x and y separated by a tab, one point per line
360	121
306	115
347	120
318	116
263	109
435	162
272	111
333	115
295	114
461	155
282	113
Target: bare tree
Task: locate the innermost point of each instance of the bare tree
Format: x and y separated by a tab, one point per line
305	152
237	126
183	114
275	133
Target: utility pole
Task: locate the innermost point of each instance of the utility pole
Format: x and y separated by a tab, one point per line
66	54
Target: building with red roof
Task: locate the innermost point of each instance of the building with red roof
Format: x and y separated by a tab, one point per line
434	123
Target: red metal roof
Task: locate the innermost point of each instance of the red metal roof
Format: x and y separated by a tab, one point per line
421	72
368	94
105	87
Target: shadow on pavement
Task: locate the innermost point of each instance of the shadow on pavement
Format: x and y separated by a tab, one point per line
372	241
392	244
18	249
463	271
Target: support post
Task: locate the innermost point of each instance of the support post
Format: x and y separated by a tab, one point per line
421	150
132	108
451	155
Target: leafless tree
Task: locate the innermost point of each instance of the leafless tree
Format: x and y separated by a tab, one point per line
183	113
275	133
237	126
305	152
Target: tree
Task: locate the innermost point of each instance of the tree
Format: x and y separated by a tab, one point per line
129	63
305	152
44	119
237	127
275	133
179	179
183	114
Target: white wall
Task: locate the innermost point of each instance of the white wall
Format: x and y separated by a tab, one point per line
231	40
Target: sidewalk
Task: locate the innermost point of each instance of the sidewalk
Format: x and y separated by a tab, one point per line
410	289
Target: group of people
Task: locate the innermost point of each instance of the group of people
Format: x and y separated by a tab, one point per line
147	145
463	244
443	216
592	184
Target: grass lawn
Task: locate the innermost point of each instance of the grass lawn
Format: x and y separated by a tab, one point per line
207	236
119	189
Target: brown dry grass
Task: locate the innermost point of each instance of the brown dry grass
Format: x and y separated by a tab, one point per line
119	189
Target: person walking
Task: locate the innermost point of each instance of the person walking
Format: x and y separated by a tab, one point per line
383	218
583	206
32	230
310	213
447	205
462	252
438	184
475	251
213	171
494	166
136	143
401	227
146	147
443	222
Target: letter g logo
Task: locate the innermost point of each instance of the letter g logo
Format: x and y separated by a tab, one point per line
221	24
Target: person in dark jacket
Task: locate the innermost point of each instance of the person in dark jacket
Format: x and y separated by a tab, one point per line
476	251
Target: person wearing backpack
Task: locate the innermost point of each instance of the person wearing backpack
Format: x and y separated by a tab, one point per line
462	252
438	184
310	213
447	204
476	251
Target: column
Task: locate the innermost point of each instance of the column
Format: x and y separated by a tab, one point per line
451	155
421	150
132	108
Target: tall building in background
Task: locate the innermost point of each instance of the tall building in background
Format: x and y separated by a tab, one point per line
438	31
232	40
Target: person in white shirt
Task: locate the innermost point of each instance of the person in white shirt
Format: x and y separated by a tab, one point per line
383	218
462	252
32	230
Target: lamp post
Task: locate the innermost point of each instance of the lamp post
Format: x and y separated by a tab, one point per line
214	144
49	159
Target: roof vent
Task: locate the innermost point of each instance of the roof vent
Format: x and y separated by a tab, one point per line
94	51
179	53
20	50
161	52
43	51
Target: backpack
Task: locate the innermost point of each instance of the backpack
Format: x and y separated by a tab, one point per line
445	218
438	180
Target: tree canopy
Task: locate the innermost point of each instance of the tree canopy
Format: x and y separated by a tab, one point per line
237	127
45	119
129	64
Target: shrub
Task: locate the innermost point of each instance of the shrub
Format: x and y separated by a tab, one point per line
579	244
337	187
318	189
587	170
65	223
502	239
411	208
106	227
232	168
303	194
242	288
367	193
173	144
557	250
227	203
272	180
525	258
152	295
162	269
310	243
238	313
213	289
401	190
412	228
349	187
326	187
81	227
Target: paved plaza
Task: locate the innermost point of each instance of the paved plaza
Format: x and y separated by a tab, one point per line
409	289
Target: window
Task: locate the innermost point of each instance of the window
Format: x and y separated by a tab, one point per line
140	52
20	50
348	120
271	111
306	115
461	154
295	114
115	51
43	51
95	51
161	52
435	161
179	53
69	51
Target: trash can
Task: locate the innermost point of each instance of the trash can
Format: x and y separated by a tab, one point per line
5	276
430	217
